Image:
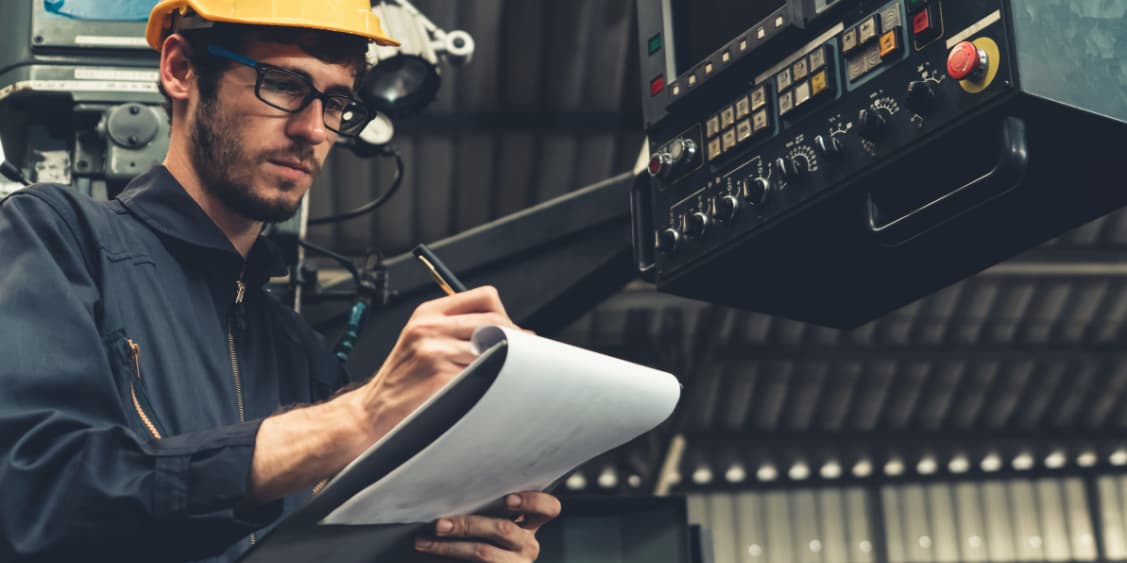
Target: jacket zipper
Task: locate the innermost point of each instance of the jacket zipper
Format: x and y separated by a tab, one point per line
135	352
240	294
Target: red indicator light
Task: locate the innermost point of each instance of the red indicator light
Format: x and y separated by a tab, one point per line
921	22
657	85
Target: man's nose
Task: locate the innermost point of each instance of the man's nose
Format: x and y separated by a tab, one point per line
308	124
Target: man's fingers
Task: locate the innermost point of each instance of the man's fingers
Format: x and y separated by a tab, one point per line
463	326
468	551
500	531
536	508
477	300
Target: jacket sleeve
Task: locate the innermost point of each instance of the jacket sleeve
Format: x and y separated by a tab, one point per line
75	479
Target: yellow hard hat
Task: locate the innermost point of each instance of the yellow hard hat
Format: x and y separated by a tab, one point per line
345	16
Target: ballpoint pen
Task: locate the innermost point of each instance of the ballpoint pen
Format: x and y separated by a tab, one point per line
441	274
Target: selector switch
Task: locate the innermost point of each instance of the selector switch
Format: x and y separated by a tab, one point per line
756	190
828	145
725	207
790	169
873	123
921	96
667	240
696	225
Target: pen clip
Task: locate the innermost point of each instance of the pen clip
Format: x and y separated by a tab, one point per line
437	277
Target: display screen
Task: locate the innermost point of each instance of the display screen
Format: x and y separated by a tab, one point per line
101	10
700	27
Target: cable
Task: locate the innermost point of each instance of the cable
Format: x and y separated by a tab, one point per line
375	203
342	259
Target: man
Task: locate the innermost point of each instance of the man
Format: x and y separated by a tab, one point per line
145	370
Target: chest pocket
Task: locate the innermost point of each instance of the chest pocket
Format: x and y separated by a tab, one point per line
125	362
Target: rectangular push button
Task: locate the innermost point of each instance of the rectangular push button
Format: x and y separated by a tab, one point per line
817	59
924	26
783	80
714	149
819	83
743	108
849	41
786	103
759	121
727	117
743	130
868	30
801	93
800	70
758	98
729	139
712	126
889	44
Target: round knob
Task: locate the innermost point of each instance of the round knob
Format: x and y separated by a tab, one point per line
696	225
755	192
725	207
667	239
790	168
966	62
921	96
873	123
828	145
660	165
683	151
132	126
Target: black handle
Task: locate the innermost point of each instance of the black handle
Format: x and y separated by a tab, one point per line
642	231
1007	174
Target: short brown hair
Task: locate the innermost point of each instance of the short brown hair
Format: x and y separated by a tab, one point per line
327	46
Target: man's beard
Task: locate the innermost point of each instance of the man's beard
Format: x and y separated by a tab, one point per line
226	171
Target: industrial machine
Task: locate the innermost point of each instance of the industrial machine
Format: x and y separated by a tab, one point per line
831	160
78	93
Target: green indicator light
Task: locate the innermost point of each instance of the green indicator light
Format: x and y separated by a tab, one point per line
655	43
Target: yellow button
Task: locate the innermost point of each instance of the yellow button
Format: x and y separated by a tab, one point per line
818	83
889	44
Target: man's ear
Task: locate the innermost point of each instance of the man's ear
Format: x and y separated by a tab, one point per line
177	74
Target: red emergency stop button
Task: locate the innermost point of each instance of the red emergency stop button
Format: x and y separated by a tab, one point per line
966	61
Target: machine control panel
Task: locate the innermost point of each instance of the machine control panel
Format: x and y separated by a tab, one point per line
878	79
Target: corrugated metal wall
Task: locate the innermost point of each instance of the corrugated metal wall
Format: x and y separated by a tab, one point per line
1068	518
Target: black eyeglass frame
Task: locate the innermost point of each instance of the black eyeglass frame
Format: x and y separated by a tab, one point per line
314	94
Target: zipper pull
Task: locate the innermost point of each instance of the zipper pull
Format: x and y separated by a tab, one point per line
135	353
240	290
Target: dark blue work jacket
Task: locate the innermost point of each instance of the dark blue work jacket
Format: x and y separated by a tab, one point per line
133	379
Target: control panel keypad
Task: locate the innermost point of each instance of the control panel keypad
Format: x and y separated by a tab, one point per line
803	80
742	120
876	39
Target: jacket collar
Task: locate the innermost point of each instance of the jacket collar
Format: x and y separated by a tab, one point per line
158	200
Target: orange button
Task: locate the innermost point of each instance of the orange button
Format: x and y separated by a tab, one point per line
889	44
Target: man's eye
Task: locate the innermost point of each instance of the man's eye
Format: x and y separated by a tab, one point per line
292	87
336	105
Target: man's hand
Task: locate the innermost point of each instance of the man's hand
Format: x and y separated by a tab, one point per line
494	540
297	448
433	348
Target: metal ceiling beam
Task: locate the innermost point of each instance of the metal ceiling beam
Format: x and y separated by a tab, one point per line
761	353
574	122
905	441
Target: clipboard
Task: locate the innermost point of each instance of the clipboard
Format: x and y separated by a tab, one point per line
301	538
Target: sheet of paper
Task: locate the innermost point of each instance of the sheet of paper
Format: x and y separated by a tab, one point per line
552	407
